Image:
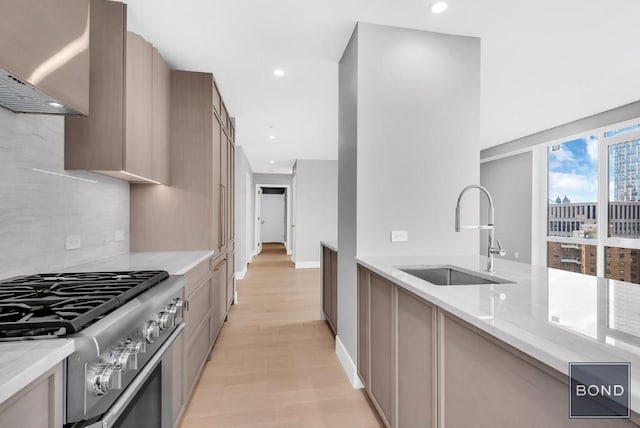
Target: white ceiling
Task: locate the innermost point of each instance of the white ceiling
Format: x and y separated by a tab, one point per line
544	62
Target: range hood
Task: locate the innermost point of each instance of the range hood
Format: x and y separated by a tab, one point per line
44	56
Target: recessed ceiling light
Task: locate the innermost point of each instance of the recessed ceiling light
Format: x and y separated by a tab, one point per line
278	72
272	137
54	104
439	7
272	162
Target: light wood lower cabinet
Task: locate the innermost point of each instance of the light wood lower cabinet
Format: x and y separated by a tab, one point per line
177	380
330	287
498	386
231	279
423	367
197	332
218	296
38	405
416	362
381	355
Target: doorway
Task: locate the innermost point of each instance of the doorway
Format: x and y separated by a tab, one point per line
272	215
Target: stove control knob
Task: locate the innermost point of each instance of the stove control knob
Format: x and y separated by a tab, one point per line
104	378
137	346
176	307
166	320
151	331
124	358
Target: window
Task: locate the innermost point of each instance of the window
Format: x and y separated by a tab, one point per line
627	264
573	188
593	185
572	257
624	189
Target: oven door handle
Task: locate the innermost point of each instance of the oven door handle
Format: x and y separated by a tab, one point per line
116	410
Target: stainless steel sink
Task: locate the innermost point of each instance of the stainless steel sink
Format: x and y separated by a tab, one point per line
452	275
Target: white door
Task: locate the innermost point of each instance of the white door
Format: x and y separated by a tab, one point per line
258	219
272	217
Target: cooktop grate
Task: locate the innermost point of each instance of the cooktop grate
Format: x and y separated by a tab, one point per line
58	304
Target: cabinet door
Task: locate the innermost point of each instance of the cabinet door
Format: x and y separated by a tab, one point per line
95	142
139	106
512	391
416	362
217	184
381	345
161	119
196	353
230	279
363	326
334	289
224	180
219	294
38	405
232	190
326	283
198	309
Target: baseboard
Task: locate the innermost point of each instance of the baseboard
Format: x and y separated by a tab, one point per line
242	273
349	367
289	252
307	265
252	255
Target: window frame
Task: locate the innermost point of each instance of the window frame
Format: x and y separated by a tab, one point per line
540	196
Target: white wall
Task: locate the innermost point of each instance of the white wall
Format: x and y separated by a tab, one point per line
38	209
416	106
316	207
243	228
509	180
347	200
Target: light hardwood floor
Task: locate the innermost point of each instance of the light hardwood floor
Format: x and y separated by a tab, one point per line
274	364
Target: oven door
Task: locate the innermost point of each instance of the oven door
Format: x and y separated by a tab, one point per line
150	400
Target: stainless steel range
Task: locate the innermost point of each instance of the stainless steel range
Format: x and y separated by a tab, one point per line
124	325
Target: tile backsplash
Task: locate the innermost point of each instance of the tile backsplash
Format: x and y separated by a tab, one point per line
41	203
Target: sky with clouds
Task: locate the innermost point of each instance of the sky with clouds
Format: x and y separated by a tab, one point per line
573	170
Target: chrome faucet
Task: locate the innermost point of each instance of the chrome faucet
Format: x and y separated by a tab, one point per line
492	249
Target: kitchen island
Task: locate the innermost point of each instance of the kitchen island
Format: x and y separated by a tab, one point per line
488	355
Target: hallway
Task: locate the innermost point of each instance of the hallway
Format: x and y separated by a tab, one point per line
274	364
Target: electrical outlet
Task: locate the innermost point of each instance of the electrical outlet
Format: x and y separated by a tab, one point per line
120	235
399	236
72	242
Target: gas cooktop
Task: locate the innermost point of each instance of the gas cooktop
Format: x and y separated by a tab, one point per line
59	304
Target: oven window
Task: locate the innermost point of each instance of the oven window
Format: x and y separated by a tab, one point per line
144	411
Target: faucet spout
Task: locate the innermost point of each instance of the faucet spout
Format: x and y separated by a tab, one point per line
491	249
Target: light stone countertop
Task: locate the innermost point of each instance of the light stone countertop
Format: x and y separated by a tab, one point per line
554	316
174	262
22	362
332	245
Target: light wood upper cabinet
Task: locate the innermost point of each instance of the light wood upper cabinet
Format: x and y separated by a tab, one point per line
161	118
121	137
138	154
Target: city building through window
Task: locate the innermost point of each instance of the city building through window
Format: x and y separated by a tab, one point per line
593	203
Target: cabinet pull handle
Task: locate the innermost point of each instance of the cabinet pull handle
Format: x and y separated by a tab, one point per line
220	211
219	265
